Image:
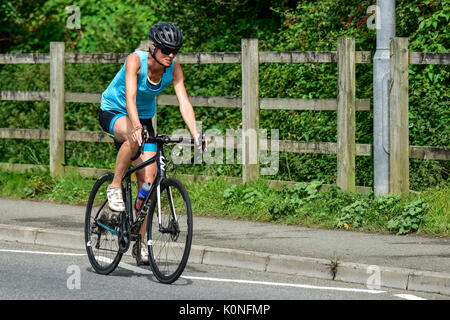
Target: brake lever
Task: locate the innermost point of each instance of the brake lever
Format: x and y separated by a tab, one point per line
203	137
144	137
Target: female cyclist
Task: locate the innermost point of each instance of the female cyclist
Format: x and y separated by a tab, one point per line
129	103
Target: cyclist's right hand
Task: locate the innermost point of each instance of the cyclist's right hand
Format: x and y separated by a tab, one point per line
136	134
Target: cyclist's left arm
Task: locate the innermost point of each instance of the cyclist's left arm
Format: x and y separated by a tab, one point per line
186	109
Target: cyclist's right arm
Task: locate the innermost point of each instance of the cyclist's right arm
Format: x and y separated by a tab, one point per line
132	68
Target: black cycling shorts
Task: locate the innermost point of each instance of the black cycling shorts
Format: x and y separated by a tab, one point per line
108	119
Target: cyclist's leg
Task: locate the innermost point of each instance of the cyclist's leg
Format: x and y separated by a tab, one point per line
118	126
122	133
146	174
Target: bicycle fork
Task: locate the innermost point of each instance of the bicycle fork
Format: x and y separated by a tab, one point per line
172	225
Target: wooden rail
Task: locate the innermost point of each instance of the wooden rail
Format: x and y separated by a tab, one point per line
249	57
197	101
223	57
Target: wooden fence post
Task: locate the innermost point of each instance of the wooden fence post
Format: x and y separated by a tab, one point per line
250	110
399	125
346	145
57	50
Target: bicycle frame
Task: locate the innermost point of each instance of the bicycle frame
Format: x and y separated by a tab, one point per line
122	228
160	175
127	230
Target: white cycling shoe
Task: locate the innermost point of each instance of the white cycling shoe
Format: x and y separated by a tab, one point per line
144	254
115	199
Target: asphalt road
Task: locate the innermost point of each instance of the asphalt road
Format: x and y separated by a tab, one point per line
30	272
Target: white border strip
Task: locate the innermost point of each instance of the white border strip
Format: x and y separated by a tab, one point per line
44	252
408	296
304	286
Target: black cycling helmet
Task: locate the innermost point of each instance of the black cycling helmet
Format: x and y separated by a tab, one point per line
166	34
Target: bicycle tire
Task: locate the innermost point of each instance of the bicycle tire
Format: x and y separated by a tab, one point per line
169	250
103	254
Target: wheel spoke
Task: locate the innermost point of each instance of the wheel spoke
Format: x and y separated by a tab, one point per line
170	242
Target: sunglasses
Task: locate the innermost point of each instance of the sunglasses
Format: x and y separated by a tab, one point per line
168	51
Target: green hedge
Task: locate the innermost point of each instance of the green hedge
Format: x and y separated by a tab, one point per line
217	25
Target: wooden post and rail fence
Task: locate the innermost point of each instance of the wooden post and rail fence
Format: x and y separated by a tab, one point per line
346	104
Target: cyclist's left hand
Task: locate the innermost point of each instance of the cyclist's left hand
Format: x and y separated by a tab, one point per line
198	143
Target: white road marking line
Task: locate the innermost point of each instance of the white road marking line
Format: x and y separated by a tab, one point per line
134	268
144	271
408	296
305	286
44	252
125	265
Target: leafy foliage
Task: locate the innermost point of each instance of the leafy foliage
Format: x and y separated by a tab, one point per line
247	195
352	215
410	219
310	205
351	211
218	25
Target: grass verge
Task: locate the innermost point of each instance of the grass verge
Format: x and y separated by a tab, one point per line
424	213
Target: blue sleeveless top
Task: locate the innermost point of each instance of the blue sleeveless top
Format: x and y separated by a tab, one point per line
113	98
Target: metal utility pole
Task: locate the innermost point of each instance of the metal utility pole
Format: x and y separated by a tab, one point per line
385	30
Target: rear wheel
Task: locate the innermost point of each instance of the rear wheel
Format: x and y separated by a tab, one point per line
169	244
101	228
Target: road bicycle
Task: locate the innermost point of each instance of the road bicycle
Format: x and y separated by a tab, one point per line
108	233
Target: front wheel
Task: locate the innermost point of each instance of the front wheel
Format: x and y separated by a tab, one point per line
169	230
